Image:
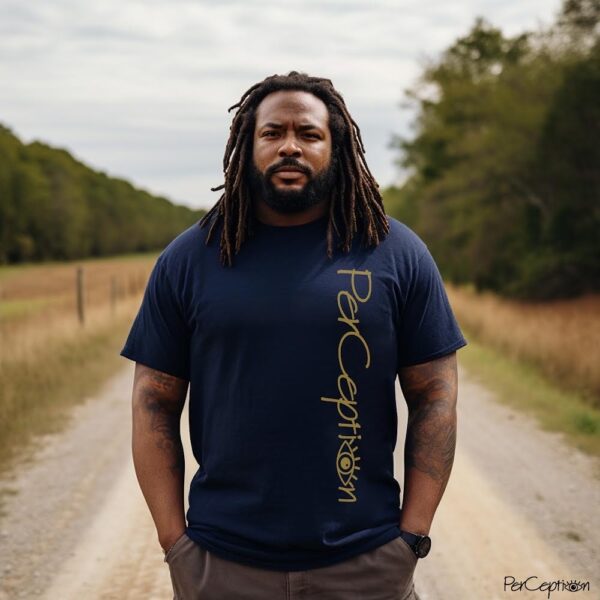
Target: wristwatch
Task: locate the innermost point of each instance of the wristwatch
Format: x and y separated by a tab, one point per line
420	544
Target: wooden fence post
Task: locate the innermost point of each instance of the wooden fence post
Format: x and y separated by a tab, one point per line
80	298
113	295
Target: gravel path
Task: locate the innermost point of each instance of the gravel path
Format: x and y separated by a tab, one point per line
519	503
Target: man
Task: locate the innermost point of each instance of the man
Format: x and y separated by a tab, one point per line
290	332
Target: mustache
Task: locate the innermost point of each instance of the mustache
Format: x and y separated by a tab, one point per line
288	162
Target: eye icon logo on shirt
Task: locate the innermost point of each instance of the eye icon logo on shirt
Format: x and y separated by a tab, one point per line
346	464
347	458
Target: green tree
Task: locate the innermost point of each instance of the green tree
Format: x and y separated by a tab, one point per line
494	116
55	207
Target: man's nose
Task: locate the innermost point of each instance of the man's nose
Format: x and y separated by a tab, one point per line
290	147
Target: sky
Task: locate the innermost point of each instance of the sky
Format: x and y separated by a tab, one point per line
140	90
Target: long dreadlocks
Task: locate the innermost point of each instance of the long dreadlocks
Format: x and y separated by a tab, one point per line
355	201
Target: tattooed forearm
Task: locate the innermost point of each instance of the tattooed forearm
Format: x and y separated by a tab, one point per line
165	423
158	400
430	391
160	397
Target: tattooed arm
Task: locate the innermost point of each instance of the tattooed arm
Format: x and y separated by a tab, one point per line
158	400
430	390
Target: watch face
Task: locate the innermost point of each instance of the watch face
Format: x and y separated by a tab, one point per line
423	547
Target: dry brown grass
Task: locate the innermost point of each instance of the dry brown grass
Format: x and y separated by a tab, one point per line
38	302
561	337
48	360
53	284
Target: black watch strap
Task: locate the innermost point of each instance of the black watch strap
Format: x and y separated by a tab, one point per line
420	544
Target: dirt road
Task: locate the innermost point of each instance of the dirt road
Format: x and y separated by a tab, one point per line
519	503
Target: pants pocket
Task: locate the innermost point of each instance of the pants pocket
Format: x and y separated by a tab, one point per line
408	551
185	568
384	573
174	548
402	561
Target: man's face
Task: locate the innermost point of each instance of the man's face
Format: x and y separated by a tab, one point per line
292	166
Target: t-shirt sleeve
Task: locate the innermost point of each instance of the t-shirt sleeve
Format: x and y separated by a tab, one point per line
428	328
159	336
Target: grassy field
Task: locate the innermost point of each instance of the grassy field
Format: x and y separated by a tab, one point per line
541	358
560	338
39	302
48	359
523	387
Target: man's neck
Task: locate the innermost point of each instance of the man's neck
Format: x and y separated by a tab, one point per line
269	216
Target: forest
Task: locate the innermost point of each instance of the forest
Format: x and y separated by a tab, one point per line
53	207
501	170
502	164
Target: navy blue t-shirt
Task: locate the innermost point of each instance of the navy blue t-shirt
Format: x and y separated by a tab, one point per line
292	358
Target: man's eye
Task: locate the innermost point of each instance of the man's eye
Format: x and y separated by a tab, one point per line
314	136
269	134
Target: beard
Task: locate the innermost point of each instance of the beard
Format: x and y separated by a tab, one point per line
316	189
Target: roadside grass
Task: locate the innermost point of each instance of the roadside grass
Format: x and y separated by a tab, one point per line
48	360
524	387
38	390
14	309
561	338
14	270
38	302
56	281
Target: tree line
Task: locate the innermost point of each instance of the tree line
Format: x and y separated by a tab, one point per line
503	163
53	207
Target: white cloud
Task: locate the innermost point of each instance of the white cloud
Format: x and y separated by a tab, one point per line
140	89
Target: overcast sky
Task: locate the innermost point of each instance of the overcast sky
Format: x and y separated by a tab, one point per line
140	89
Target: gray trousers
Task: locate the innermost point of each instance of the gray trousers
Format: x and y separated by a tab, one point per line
385	573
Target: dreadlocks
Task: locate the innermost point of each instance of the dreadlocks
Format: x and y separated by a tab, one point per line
355	199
